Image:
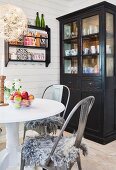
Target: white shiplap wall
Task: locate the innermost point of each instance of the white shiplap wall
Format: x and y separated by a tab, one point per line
35	76
76	5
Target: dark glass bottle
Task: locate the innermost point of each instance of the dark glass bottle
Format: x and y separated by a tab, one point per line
37	21
42	21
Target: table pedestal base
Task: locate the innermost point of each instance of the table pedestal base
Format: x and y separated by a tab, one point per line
11	156
12	143
3	159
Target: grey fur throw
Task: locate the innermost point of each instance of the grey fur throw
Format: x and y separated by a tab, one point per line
44	126
36	151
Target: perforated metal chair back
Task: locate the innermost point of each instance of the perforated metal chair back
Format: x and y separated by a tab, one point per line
85	106
56	92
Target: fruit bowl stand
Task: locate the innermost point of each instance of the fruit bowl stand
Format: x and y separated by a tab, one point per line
22	104
20	99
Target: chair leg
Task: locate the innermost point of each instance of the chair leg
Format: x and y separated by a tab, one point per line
70	167
64	168
24	134
22	164
79	162
59	168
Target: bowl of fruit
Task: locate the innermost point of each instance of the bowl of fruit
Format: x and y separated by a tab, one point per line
21	99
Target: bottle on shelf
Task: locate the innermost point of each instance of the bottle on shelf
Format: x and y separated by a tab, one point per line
42	21
37	21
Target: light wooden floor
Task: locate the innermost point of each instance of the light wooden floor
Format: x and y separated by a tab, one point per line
101	157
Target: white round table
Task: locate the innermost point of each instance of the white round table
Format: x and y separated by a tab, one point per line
11	117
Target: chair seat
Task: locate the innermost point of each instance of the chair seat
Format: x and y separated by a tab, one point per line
35	151
49	125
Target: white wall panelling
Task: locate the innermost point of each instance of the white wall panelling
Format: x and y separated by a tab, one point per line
76	5
35	76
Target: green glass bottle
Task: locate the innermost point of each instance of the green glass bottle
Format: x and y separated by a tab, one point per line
42	21
37	21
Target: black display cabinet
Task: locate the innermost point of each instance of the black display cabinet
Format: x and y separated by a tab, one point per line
88	66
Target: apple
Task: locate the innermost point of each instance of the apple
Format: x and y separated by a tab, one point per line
24	95
17	98
25	103
16	93
11	97
17	105
30	97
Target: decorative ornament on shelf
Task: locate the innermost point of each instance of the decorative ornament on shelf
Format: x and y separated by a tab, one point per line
42	21
13	23
37	21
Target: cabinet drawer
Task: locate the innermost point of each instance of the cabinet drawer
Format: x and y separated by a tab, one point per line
91	85
76	84
71	81
68	82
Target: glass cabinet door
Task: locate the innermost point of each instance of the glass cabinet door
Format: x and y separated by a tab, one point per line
70	30
70	48
109	45
90	45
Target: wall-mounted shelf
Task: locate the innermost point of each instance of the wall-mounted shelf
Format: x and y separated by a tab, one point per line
94	54
70	39
33	47
25	46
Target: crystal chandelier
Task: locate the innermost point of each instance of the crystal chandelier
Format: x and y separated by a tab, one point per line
13	22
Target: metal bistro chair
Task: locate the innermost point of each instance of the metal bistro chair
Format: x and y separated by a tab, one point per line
58	153
51	124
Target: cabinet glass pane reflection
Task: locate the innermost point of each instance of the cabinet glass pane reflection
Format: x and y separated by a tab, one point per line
71	65
90	25
109	45
70	30
91	64
70	48
90	45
